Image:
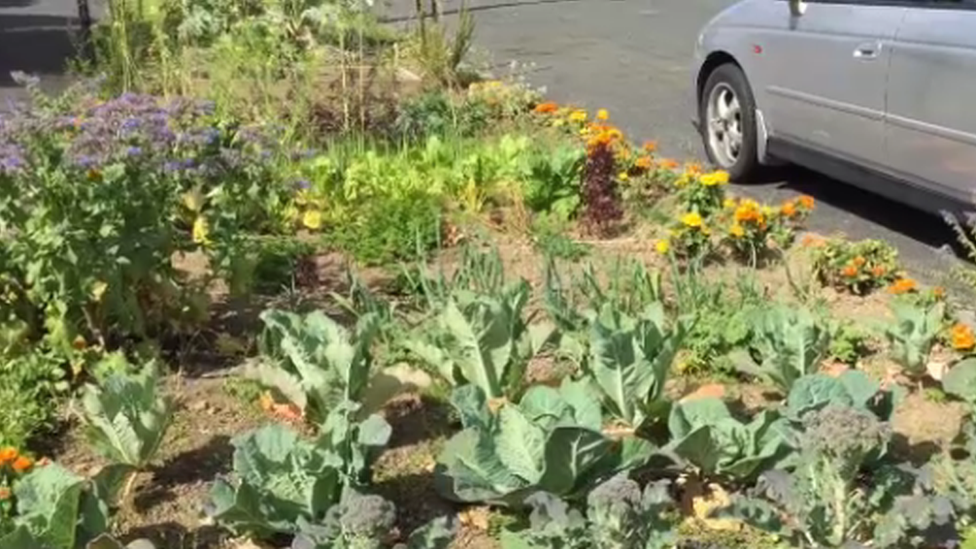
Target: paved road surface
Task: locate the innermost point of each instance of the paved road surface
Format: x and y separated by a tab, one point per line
629	56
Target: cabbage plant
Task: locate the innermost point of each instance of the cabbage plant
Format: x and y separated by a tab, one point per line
551	440
126	416
483	339
314	362
913	332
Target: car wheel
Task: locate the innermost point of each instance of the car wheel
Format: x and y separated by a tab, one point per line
727	111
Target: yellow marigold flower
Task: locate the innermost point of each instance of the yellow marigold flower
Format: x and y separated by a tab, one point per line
201	231
737	231
644	163
692	219
602	114
712	179
662	246
728	203
615	133
578	116
623	176
312	219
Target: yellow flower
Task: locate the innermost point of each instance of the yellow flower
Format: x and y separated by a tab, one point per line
578	116
602	114
312	219
736	230
728	203
692	219
662	246
623	176
712	179
201	231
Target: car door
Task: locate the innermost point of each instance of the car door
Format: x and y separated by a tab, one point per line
825	74
931	123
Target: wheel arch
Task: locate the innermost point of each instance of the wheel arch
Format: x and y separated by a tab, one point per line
715	60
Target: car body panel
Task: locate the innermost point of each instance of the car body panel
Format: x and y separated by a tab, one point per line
931	128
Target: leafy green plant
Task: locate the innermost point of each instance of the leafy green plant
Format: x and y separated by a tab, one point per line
913	332
551	441
960	381
709	437
824	501
31	385
126	418
619	515
848	343
628	359
553	182
852	388
281	481
484	340
56	509
312	361
786	342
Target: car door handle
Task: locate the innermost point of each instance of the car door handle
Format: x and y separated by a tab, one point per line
868	51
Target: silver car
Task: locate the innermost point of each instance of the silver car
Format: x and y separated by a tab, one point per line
879	93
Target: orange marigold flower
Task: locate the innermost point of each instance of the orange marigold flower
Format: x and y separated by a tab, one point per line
693	168
850	271
903	286
4	493
788	209
938	292
8	455
548	107
650	146
962	337
644	163
878	270
668	164
807	202
22	464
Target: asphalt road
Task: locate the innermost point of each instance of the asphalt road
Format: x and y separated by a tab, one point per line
629	56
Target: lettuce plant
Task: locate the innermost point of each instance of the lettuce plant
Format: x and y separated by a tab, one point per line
126	417
551	441
786	343
281	479
629	359
484	340
706	435
313	361
619	515
913	332
55	509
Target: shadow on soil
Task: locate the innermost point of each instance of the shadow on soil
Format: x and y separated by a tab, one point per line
198	465
172	535
417	419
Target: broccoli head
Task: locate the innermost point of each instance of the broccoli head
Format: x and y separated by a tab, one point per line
845	435
365	520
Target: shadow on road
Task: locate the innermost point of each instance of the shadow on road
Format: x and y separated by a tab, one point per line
34	44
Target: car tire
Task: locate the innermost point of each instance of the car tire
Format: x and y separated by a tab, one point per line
729	134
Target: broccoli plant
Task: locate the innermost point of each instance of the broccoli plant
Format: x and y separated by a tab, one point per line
618	516
787	342
483	339
367	521
826	501
549	441
126	418
913	332
281	481
312	361
706	435
56	509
